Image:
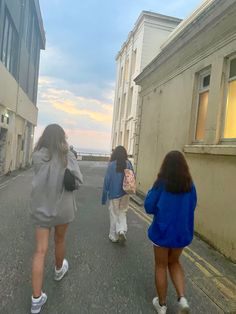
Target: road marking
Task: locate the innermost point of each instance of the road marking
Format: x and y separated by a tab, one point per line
223	284
140	216
211	267
3	186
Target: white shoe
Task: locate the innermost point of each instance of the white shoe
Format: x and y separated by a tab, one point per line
112	239
122	236
37	304
60	273
160	309
183	306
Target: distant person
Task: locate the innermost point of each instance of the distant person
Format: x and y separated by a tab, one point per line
52	206
118	198
73	151
172	201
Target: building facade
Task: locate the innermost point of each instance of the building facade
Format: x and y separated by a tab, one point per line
188	103
142	45
21	38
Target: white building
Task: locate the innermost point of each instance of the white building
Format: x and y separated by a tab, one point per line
142	45
21	38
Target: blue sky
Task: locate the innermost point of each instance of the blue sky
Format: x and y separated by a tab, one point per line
77	71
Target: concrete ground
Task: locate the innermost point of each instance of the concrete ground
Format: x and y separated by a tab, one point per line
103	277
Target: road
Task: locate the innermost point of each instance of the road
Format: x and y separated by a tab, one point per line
104	278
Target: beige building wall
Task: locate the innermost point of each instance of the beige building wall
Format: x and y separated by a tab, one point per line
142	45
20	116
168	111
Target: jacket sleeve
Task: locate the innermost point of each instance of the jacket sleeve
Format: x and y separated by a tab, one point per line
130	166
151	200
194	193
106	185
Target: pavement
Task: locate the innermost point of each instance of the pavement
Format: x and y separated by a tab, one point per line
104	278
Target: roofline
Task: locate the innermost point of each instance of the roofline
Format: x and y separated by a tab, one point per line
141	17
170	46
198	11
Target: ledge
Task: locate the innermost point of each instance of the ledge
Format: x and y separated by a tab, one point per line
228	150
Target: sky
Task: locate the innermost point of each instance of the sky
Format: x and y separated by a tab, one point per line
78	68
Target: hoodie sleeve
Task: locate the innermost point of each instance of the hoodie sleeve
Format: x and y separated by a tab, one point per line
151	200
106	185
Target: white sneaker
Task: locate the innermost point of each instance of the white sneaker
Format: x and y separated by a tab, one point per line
183	306
60	273
36	304
160	309
122	236
112	239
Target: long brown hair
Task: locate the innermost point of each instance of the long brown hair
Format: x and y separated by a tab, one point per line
174	173
54	139
120	155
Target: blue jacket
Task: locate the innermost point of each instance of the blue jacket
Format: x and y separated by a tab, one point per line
113	182
173	221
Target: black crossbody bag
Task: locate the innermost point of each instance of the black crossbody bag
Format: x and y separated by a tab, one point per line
69	181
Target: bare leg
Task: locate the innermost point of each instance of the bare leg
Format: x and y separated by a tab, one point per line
42	237
161	264
176	271
59	238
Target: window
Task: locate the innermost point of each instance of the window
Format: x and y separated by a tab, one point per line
127	70
202	101
133	65
121	77
9	53
126	143
123	107
130	100
230	116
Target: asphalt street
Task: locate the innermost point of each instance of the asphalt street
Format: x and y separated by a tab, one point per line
103	278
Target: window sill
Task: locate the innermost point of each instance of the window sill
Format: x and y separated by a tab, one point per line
228	150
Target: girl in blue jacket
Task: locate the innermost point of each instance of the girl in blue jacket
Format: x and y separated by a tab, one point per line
171	201
118	198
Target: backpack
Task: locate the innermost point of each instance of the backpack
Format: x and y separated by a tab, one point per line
129	183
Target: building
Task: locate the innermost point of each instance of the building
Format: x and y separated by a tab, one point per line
21	38
188	103
142	45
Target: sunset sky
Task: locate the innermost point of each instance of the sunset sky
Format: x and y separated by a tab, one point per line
77	72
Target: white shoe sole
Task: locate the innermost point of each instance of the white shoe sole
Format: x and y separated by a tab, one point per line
61	277
38	311
122	237
113	240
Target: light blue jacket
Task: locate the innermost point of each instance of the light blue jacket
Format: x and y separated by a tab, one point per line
173	221
113	182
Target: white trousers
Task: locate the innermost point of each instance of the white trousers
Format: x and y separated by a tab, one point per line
118	221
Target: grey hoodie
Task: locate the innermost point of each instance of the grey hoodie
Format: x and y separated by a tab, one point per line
50	203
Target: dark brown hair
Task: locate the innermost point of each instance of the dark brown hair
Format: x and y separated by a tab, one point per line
120	155
174	173
54	139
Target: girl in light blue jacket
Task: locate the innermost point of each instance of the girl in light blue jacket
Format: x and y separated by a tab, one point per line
118	198
171	201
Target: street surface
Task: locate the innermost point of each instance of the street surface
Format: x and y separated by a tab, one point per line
104	278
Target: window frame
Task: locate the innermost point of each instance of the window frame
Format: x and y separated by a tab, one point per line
10	59
200	89
225	140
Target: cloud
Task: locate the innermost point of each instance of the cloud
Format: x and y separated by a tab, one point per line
87	120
